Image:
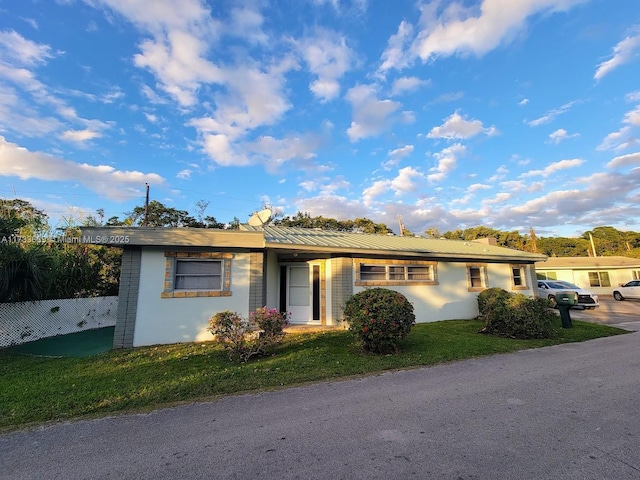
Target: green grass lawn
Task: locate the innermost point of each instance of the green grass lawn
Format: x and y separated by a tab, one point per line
38	389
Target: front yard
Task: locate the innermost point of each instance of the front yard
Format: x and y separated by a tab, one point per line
34	390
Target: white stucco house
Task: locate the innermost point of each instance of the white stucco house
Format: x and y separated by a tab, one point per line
597	274
174	279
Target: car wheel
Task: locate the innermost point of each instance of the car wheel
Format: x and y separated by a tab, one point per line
618	296
554	302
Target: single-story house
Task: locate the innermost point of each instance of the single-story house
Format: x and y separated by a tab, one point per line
174	279
598	274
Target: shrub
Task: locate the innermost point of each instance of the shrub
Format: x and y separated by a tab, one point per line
515	315
245	338
380	319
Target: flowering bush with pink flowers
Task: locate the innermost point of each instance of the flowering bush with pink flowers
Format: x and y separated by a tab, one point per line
245	338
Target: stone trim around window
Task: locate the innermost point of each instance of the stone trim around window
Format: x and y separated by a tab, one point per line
358	262
483	277
170	269
519	282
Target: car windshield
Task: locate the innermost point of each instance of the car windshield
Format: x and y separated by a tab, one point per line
561	285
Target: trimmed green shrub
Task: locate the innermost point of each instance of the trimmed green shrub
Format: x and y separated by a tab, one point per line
380	318
515	315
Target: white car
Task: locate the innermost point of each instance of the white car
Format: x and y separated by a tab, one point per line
628	290
549	289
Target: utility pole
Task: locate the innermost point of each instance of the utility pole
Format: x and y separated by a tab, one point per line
593	247
401	225
146	208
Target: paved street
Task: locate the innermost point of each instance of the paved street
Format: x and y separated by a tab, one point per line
563	412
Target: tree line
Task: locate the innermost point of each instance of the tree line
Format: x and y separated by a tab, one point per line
37	262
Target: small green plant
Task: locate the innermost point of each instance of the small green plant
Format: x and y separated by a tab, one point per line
244	339
380	318
515	315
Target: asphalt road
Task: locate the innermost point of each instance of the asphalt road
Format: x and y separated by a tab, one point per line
563	412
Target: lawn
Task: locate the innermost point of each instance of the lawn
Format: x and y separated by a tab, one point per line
37	389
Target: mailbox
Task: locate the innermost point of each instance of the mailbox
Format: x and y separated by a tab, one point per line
567	299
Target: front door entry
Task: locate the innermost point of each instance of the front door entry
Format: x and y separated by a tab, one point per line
298	293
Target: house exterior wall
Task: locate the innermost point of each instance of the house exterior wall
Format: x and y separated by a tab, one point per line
580	277
451	298
170	320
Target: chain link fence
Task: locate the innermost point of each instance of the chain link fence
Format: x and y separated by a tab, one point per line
27	321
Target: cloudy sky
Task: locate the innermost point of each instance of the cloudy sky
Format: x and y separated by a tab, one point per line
449	114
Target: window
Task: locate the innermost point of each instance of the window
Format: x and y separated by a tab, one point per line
599	279
395	272
519	277
547	275
477	277
197	274
636	274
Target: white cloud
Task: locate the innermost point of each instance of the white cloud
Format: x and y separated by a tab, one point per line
457	127
377	189
371	116
625	160
184	174
632	117
396	54
396	155
554	168
625	137
623	52
560	135
523	102
329	58
19	50
407	84
405	182
551	114
102	179
79	136
447	160
476	187
247	24
476	29
497	199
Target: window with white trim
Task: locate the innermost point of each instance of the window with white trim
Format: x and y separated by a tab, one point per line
395	272
599	279
636	274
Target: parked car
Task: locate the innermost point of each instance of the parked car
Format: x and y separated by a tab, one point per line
628	290
549	289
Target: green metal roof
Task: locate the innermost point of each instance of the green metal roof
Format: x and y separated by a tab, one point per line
362	243
588	262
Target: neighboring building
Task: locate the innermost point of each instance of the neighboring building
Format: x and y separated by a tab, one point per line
598	274
174	279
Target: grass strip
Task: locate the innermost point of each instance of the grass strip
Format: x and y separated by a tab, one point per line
35	390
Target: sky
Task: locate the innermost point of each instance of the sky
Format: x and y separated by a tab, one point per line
509	114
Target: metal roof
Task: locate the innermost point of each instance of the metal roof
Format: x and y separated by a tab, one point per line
588	262
362	243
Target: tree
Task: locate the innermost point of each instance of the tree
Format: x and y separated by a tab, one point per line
17	214
159	215
361	225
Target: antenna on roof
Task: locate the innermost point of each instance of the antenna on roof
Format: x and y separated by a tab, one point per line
261	218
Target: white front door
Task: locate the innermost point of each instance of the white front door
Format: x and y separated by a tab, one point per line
298	293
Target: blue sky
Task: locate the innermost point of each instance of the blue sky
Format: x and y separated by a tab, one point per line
507	114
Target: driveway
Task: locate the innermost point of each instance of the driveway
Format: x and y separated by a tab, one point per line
610	311
562	412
